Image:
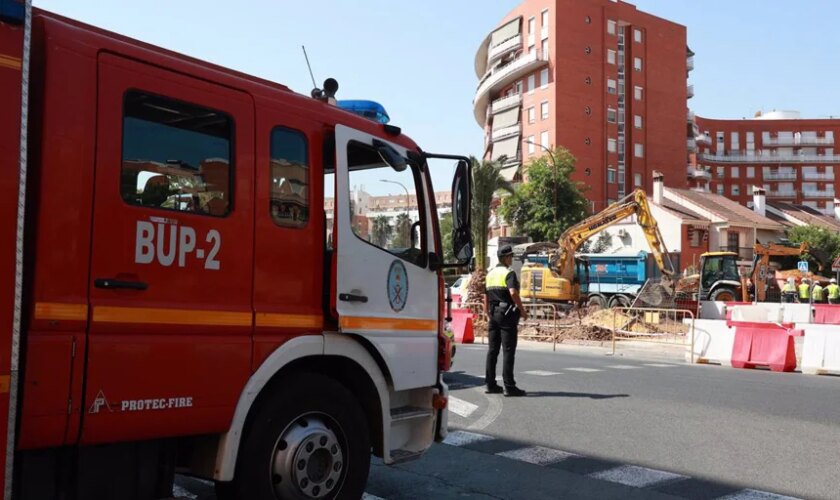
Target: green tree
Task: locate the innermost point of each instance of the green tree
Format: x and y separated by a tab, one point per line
532	209
487	179
820	240
602	243
382	231
402	232
446	237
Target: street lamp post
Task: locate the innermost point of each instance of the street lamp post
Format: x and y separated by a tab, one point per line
554	164
407	199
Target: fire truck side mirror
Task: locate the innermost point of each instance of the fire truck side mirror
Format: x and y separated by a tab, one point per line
462	245
390	156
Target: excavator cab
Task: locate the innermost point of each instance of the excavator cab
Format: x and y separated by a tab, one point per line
581	280
719	278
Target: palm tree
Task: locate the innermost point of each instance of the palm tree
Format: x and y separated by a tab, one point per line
402	231
487	179
382	231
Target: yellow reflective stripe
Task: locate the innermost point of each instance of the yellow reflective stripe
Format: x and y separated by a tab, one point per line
497	278
9	61
4	384
60	312
144	315
374	323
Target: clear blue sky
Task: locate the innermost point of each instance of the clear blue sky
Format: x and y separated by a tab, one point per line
416	57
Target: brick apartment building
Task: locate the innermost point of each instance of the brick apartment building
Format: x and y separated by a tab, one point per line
599	77
792	158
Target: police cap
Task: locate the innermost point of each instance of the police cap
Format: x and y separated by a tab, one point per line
505	251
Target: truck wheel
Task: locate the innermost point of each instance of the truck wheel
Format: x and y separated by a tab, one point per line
597	302
620	301
723	295
308	440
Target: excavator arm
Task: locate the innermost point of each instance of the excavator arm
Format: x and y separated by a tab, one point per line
633	204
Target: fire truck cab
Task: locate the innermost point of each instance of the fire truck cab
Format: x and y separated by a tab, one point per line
187	285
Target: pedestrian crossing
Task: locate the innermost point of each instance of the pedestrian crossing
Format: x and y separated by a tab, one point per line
583	369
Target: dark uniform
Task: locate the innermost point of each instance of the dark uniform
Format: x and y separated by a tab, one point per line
504	319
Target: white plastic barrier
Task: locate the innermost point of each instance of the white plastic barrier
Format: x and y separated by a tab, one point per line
821	351
796	313
758	313
713	342
712	310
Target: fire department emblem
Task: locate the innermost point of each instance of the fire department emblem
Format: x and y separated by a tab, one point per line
397	286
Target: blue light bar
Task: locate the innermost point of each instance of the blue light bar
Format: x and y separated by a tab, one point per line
369	109
13	11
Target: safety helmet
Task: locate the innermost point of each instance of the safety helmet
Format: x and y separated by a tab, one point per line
504	251
832	280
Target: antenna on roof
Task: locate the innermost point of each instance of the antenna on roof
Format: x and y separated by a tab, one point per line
330	85
314	85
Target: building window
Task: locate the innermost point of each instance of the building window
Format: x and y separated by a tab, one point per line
639	150
720	189
720	173
532	30
637	180
610	56
637	36
611	115
736	172
612	145
532	83
621	179
183	165
518	87
638	93
637	121
611	27
545	49
694	237
750	172
544	24
289	178
736	190
532	115
735	142
531	145
544	78
637	63
544	139
611	176
611	86
544	110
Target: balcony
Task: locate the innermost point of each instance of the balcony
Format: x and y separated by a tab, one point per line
503	48
689	63
829	176
737	157
818	194
779	176
791	195
692	145
703	140
698	173
690	117
690	91
505	132
505	103
502	76
798	141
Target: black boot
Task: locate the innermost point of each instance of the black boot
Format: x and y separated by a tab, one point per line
514	392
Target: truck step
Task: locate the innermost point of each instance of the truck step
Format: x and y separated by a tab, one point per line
402	456
404	413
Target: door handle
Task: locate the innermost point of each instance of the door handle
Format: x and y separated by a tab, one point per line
119	284
350	297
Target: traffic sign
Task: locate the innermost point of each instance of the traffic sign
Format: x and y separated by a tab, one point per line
836	266
802	266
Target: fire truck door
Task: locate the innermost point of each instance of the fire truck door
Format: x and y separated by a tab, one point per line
171	268
386	291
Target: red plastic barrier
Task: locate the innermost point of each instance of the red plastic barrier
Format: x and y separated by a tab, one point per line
462	326
730	305
764	345
826	314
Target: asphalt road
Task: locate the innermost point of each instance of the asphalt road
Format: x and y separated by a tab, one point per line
595	426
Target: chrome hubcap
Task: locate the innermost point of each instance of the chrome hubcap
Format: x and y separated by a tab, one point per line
308	460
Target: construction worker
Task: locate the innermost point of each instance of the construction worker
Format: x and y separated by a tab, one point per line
804	291
833	292
504	308
789	291
817	294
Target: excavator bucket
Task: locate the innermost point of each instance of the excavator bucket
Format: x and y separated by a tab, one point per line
657	293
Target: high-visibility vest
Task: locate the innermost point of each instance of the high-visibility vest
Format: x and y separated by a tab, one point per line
817	293
789	288
804	291
497	277
833	291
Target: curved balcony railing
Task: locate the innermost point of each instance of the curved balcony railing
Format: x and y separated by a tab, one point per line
501	76
505	132
503	48
505	103
769	158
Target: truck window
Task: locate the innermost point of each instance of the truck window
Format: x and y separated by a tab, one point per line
175	156
384	204
289	178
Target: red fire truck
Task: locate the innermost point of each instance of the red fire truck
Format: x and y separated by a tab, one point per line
187	285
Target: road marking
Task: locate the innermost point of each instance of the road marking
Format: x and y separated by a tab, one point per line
537	455
756	495
541	373
494	409
463	438
584	370
659	365
461	407
632	475
368	496
179	492
622	367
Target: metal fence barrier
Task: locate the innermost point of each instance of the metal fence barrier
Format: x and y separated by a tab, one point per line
541	325
648	324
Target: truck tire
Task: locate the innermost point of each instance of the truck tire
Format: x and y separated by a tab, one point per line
597	301
307	440
620	301
724	295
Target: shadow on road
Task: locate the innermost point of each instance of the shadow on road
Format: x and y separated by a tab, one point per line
561	394
462	380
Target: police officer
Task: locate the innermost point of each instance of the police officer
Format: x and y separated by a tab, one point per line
833	292
804	291
504	308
